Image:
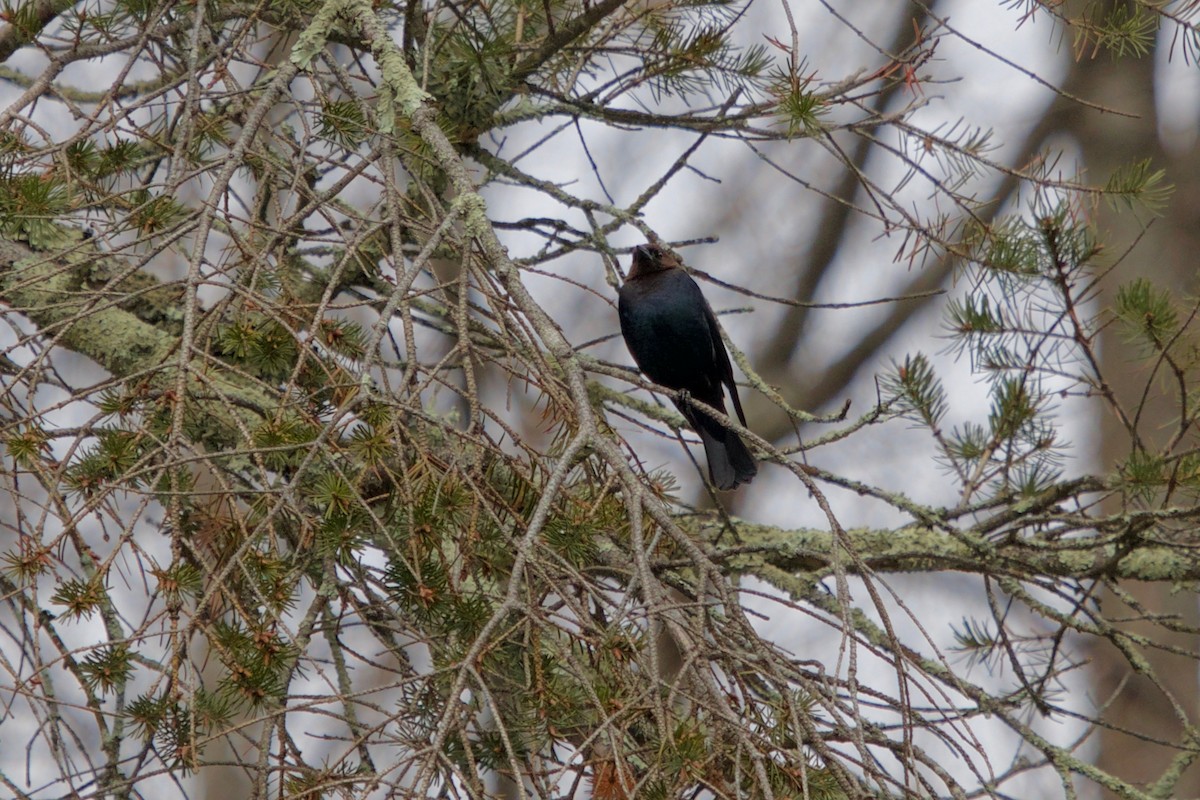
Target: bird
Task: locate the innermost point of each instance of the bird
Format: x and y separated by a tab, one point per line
672	334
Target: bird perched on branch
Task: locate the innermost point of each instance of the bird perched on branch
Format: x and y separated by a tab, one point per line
672	334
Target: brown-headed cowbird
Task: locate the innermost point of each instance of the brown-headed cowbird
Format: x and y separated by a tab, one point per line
672	333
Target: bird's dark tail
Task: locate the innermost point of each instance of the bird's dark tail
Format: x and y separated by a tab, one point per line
729	461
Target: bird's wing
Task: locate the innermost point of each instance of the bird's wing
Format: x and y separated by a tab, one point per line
724	367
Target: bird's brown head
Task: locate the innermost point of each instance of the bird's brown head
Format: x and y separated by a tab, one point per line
651	258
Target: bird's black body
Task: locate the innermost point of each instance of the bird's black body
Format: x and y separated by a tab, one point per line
672	334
